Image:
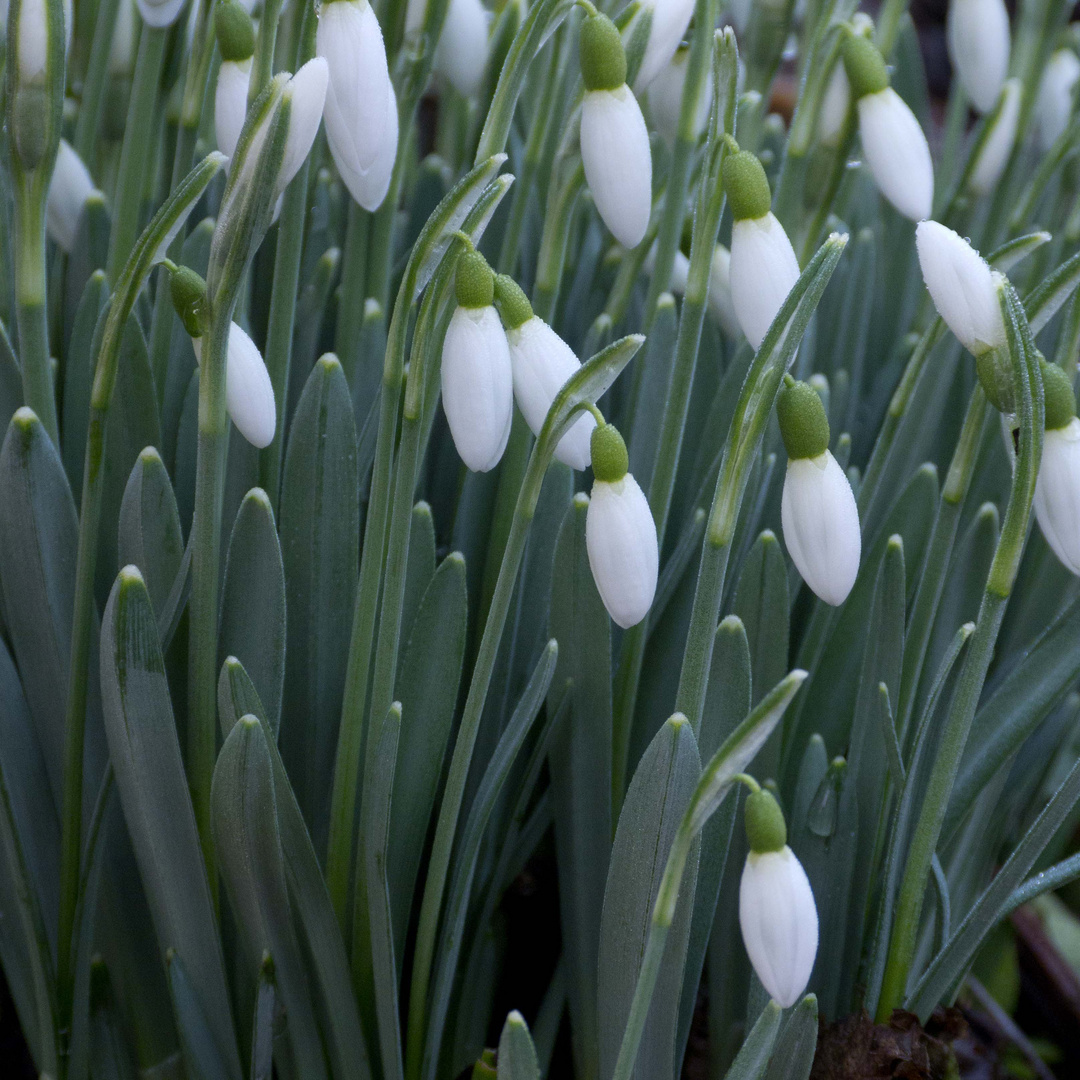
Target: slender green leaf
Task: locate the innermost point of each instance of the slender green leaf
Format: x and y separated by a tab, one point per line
793	1057
262	1025
753	1058
203	1057
517	1055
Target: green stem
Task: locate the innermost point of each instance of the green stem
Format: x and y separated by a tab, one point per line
557	221
262	64
93	91
134	158
353	272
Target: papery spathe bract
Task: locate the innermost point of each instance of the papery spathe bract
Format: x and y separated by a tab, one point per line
358	93
977	32
896	150
779	922
670	18
763	270
1057	493
1054	106
462	51
70	187
962	287
618	162
230	103
821	526
666	94
305	94
160	13
996	149
249	394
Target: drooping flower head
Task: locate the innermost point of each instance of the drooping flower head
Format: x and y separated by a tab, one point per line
236	40
977	32
1057	489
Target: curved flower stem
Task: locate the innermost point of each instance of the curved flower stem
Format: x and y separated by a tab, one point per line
1028	389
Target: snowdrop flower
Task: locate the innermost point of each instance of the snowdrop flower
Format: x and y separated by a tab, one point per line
993	154
305	94
249	394
33	42
122	47
680	270
69	189
477	381
777	913
817	508
236	40
541	363
977	33
1057	490
666	94
361	108
614	140
462	52
962	287
620	534
893	143
160	13
670	18
721	305
763	264
1054	106
835	106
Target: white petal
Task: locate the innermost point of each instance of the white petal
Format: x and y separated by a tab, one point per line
961	286
779	923
461	54
249	394
306	92
122	47
33	40
896	151
350	40
978	38
821	526
994	155
542	362
620	536
369	188
1054	106
763	271
670	18
720	302
159	13
230	103
666	92
835	105
1057	493
69	189
477	386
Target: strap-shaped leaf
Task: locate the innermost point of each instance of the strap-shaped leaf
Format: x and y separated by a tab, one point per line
517	1055
203	1058
753	1058
793	1056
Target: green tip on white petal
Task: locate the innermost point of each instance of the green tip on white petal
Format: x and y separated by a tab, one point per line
765	827
864	65
513	304
188	292
474	285
610	460
603	57
746	186
803	423
235	31
1060	400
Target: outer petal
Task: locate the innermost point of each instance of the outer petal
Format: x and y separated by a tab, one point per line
778	919
350	40
961	286
670	18
720	302
821	526
835	105
1057	493
994	155
897	153
542	362
369	188
978	39
618	162
69	189
665	96
477	386
763	271
621	540
160	13
1054	106
249	394
461	54
230	103
306	92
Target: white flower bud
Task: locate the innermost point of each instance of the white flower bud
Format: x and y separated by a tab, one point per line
462	52
897	152
69	189
160	13
998	146
33	34
1057	493
1054	106
670	18
978	39
620	536
835	106
122	47
962	287
821	526
763	270
779	923
618	162
477	386
361	108
721	304
249	394
306	93
666	94
231	103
